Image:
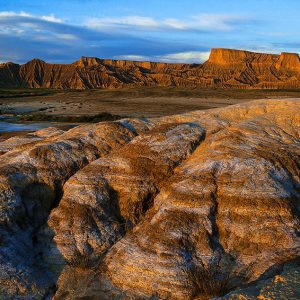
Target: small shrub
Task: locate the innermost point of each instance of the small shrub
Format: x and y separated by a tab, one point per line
208	282
70	119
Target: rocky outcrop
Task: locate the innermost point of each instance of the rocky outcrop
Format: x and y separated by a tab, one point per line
289	62
225	57
283	285
112	194
225	68
244	69
9	75
31	181
201	204
227	214
29	139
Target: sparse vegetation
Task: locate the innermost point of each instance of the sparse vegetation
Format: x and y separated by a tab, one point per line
155	92
25	92
69	119
83	261
208	282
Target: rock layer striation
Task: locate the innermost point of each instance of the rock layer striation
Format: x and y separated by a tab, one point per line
225	68
178	207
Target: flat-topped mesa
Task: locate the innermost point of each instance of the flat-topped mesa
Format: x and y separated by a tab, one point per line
288	61
223	56
227	57
129	63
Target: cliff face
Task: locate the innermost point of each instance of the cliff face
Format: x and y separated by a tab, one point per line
178	207
235	68
225	68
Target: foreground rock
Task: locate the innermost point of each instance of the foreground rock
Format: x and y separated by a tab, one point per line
109	196
280	286
180	207
31	180
29	139
227	215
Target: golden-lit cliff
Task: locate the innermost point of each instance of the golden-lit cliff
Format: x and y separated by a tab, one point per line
225	68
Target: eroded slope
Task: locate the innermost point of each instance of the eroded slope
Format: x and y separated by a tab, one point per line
176	207
225	68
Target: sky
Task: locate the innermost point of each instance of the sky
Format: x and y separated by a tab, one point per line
61	31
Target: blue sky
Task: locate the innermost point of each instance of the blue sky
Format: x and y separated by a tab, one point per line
159	30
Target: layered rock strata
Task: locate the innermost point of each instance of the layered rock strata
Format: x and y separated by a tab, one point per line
112	194
31	180
178	207
229	213
225	68
29	139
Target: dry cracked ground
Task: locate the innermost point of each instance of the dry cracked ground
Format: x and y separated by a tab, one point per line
194	206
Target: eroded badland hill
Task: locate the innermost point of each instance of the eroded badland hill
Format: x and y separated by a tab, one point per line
187	206
225	68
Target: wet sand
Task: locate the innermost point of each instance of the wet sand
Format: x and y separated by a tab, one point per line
9	127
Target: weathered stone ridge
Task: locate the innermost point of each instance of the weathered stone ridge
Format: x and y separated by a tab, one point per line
32	176
228	56
126	182
199	205
225	68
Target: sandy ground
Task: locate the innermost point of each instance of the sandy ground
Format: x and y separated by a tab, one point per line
139	102
135	107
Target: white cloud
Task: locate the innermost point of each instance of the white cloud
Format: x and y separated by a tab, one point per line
216	22
11	14
186	57
42	28
122	22
181	57
176	24
52	18
202	22
63	37
7	14
133	57
66	36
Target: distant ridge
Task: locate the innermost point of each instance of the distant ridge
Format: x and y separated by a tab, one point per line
225	68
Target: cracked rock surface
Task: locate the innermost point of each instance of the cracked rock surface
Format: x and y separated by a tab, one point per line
192	206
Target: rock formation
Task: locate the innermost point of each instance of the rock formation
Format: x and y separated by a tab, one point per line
31	179
113	193
225	68
202	204
20	142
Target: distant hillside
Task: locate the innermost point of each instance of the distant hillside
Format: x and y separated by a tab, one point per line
225	68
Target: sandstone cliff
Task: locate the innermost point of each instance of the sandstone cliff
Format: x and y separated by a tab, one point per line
225	68
194	205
